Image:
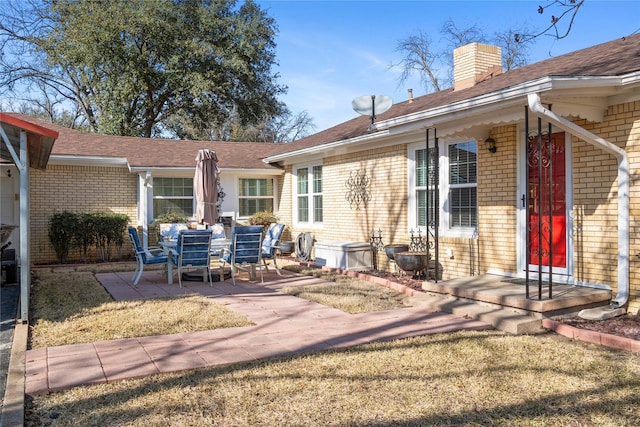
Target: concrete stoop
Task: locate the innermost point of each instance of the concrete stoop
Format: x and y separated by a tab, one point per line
507	319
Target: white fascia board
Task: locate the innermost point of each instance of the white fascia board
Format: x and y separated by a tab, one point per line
325	147
191	170
254	172
167	170
58	159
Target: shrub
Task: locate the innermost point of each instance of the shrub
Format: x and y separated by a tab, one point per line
85	230
62	228
263	218
171	218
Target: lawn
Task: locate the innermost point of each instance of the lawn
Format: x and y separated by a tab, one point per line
468	378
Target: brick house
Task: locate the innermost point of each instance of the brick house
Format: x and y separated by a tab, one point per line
98	173
429	165
591	99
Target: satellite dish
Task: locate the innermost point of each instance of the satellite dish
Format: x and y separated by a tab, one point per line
369	105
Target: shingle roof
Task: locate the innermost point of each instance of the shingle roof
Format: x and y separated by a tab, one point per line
615	58
145	152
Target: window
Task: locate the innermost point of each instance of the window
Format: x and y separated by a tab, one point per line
463	183
172	196
309	194
425	189
456	201
256	195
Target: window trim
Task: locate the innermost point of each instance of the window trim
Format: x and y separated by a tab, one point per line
310	195
445	228
155	197
272	197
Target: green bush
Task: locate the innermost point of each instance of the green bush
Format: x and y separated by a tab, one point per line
84	231
263	218
62	228
171	218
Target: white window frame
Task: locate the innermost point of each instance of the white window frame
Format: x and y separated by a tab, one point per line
445	228
310	195
272	197
155	197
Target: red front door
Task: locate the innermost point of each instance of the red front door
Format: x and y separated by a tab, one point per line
546	183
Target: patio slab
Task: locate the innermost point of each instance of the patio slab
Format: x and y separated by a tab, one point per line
284	325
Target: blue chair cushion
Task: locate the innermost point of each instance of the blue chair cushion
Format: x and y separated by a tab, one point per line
217	232
272	237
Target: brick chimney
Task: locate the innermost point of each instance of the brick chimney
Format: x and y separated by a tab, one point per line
474	63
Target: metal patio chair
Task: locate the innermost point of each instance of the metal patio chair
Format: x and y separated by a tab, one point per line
245	251
193	250
270	245
150	256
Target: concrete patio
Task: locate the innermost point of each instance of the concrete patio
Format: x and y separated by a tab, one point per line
284	325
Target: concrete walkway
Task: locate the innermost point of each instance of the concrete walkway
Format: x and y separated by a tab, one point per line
284	325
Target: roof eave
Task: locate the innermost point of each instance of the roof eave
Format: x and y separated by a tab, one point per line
432	117
71	160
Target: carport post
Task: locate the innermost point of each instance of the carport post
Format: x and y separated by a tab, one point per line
25	259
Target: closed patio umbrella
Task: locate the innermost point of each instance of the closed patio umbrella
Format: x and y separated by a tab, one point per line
205	186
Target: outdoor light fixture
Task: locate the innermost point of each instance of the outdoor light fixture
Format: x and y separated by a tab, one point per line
490	143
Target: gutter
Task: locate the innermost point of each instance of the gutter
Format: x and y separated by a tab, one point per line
623	189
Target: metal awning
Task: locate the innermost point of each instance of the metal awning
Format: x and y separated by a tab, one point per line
39	141
28	146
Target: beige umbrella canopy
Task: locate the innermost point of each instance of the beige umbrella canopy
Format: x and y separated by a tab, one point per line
205	186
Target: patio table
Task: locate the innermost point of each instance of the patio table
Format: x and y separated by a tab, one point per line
170	245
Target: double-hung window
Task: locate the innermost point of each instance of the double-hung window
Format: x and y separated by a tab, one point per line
309	194
256	195
172	196
463	185
452	170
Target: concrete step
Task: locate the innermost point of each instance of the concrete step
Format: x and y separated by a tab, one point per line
507	319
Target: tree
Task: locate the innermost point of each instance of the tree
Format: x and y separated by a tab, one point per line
280	128
421	56
515	53
134	66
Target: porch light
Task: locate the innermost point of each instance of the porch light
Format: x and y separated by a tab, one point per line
490	143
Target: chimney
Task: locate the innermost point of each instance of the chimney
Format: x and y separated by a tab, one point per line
410	95
474	63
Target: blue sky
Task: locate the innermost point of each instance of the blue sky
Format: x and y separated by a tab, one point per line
331	52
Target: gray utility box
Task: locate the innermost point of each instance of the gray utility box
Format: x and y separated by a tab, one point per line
345	255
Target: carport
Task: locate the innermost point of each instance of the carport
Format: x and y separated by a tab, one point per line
27	146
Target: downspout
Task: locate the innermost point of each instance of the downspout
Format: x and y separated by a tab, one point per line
623	190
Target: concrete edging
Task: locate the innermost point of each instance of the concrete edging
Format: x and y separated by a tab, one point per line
13	409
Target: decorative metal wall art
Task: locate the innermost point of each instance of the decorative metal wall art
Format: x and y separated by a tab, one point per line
358	189
221	196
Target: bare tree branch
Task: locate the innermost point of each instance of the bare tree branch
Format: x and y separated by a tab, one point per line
568	9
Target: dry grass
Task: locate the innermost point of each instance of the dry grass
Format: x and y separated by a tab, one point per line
462	379
345	293
70	307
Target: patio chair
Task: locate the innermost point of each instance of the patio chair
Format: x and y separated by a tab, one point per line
149	256
245	250
193	250
270	245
